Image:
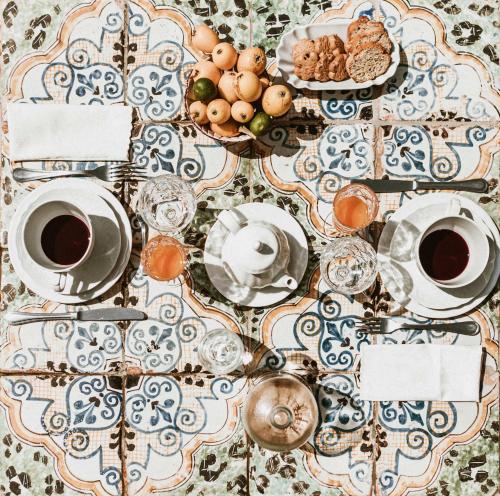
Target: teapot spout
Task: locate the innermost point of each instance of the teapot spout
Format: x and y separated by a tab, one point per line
286	281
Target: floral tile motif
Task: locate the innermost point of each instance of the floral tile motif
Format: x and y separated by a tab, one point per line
159	60
24	467
229	18
433	82
317	333
84	66
315	162
177	321
76	420
470	27
180	149
167	418
421	431
62	346
28	28
439	153
470	469
338	459
442	153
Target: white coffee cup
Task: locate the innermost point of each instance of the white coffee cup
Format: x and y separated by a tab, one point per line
33	228
473	235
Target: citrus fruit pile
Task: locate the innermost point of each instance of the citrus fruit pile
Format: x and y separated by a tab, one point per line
230	92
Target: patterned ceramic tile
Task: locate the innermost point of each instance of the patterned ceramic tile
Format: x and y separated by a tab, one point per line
443	153
182	432
24	467
62	346
315	162
469	469
168	418
471	27
180	149
77	422
177	321
28	28
433	82
83	65
422	431
317	333
337	460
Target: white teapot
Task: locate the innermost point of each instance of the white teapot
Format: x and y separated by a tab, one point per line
255	253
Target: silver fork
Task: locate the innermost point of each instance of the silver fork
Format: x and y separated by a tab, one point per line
386	325
112	173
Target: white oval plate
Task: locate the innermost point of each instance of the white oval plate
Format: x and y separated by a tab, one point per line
313	31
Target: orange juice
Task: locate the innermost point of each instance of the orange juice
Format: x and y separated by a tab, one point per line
352	212
163	258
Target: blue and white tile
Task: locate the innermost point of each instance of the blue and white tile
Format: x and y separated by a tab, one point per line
169	418
75	420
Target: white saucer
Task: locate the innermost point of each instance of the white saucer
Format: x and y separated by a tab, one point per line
401	275
112	249
265	296
106	248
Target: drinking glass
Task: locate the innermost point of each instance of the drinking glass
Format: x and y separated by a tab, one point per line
167	203
164	258
355	207
221	351
348	265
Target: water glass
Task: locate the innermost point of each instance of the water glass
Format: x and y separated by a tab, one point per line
221	351
355	207
167	203
349	265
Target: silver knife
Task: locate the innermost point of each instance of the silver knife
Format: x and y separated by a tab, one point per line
396	185
102	314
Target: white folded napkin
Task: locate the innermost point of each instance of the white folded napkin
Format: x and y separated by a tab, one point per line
392	372
69	132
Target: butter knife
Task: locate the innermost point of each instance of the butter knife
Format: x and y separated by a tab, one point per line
99	314
396	185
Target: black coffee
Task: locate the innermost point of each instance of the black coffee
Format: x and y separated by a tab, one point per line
65	239
444	254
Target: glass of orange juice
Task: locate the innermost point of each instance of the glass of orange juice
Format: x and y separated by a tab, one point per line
355	207
164	258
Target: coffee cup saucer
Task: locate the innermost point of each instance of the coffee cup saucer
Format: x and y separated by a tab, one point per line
110	252
268	295
399	270
104	253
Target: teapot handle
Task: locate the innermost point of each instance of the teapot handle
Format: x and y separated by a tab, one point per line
229	219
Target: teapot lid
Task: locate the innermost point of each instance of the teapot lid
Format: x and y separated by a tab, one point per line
255	247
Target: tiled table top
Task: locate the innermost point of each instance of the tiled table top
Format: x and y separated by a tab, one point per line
105	409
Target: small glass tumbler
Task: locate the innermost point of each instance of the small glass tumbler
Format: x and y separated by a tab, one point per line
164	258
167	203
221	351
355	207
349	265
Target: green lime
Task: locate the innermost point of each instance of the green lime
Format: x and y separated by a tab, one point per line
204	89
260	124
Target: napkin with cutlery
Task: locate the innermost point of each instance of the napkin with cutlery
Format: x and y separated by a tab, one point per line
69	132
392	372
